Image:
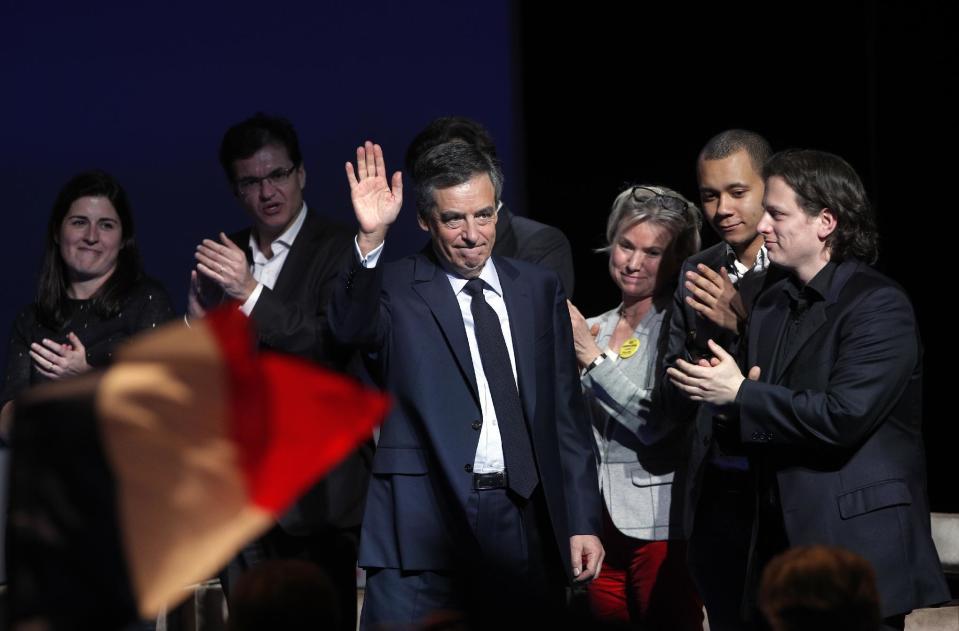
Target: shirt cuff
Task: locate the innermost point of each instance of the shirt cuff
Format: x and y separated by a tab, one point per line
369	261
247	307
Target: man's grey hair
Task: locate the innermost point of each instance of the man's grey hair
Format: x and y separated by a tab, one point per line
451	164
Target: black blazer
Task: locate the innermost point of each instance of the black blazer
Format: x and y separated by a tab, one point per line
688	335
291	318
527	240
838	423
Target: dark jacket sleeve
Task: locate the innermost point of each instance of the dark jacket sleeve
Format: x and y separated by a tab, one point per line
674	403
689	334
299	326
359	317
876	355
584	505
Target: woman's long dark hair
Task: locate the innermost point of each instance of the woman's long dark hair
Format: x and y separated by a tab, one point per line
52	288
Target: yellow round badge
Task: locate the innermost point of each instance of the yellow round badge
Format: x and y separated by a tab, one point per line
629	348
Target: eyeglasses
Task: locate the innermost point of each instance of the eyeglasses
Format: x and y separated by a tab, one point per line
248	185
668	202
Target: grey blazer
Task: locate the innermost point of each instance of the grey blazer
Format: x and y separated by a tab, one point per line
636	450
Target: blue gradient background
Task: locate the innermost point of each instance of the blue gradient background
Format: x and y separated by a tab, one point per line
145	91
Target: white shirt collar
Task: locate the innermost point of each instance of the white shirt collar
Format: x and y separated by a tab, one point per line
285	240
737	269
488	275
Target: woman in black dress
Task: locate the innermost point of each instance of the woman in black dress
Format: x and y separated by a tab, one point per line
92	292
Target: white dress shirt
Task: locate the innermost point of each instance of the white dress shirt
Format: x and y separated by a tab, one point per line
737	269
489	450
266	270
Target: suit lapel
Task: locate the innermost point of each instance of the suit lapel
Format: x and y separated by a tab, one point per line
519	305
810	324
242	239
431	284
718	258
769	323
765	328
819	312
298	259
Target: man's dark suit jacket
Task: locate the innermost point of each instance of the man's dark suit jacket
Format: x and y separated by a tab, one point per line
688	336
291	318
407	315
528	240
838	423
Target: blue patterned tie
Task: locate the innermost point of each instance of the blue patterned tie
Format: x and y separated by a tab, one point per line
520	467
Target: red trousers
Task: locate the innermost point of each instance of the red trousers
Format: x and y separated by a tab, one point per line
645	583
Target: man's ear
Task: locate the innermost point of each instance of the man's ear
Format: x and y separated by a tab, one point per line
301	176
422	222
827	223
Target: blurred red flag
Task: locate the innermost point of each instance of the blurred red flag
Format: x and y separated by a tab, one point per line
171	460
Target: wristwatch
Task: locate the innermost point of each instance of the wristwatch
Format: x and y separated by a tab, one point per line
596	362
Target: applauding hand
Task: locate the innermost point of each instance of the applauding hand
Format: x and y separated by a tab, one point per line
54	360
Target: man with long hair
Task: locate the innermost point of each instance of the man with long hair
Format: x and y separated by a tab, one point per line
831	408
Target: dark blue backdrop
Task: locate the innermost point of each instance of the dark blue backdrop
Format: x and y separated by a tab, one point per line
145	91
599	98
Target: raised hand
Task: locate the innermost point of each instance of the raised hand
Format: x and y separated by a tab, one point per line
376	201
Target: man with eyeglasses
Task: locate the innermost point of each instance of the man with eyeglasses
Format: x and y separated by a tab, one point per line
281	271
484	497
716	290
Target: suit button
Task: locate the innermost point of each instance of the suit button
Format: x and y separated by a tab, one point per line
468	468
477	424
